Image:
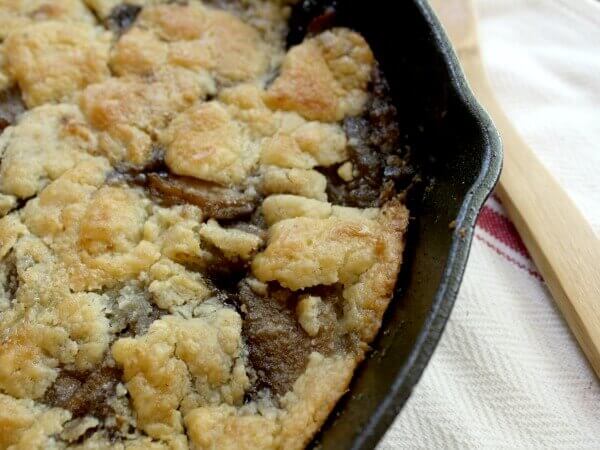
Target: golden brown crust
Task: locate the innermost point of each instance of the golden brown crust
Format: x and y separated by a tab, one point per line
47	325
16	14
193	37
51	61
220	427
305	252
367	300
314	395
45	142
205	143
108	276
25	424
182	363
128	112
324	78
346	247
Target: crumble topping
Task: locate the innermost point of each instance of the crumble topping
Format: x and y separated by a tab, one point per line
51	61
307	183
182	363
44	143
47	325
17	14
325	77
276	208
201	39
175	289
128	112
205	143
198	238
233	243
27	424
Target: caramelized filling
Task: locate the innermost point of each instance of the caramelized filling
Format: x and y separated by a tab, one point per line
85	393
278	346
380	170
122	17
12	277
11	106
214	200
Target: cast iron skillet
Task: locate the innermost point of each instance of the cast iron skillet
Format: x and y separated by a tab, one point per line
458	152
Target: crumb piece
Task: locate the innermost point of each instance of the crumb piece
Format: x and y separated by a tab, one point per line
173	286
233	243
284	151
139	52
121	390
305	183
345	171
175	231
276	208
112	223
51	61
204	142
324	142
223	428
304	252
308	314
258	287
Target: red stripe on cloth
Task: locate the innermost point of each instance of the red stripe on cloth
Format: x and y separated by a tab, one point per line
510	259
502	229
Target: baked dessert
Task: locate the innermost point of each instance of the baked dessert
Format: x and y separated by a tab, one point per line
200	228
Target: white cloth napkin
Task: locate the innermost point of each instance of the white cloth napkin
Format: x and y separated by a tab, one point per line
508	372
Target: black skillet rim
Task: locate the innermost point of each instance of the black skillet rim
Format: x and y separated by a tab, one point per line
446	294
